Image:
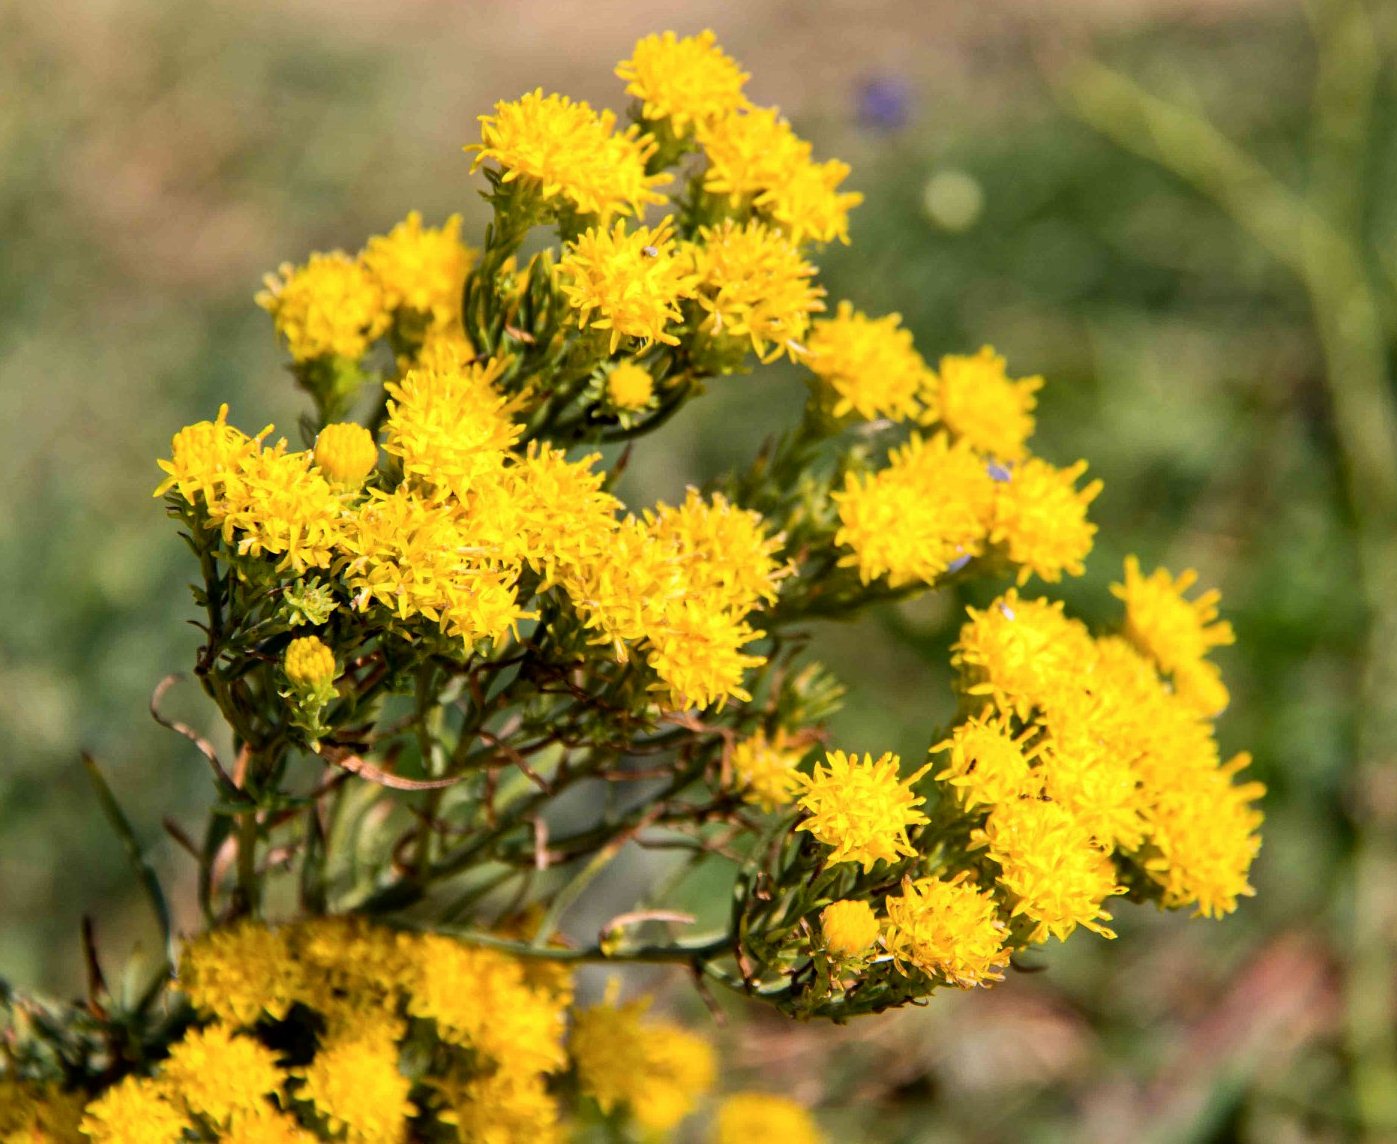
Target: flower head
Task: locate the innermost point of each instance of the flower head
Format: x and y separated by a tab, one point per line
912	520
949	930
627	282
1177	633
345	454
205	457
450	425
421	269
754	156
1054	872
309	664
629	386
354	1083
565	149
988	764
861	810
654	1069
867	366
849	927
684	81
239	972
754	285
976	400
1040	517
214	1073
756	1117
135	1111
765	770
331	306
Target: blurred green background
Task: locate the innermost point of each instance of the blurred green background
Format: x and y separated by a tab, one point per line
1183	214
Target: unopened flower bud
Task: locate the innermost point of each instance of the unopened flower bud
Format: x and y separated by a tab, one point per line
849	927
346	453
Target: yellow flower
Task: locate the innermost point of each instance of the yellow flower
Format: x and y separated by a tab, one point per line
630	283
765	770
354	1083
949	930
265	1126
1086	767
482	999
1040	517
1020	653
763	1118
727	558
696	650
1176	632
861	809
205	457
345	454
849	927
656	1070
754	156
684	81
629	386
868	366
39	1114
134	1112
422	269
560	517
502	1107
754	285
330	306
566	149
910	522
988	765
240	972
1050	866
1203	827
309	664
280	505
449	425
976	400
216	1074
422	559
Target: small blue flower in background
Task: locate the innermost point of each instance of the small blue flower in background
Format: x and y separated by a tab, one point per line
884	103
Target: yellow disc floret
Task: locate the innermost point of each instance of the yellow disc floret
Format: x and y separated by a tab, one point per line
1040	518
754	285
861	810
988	764
765	770
346	453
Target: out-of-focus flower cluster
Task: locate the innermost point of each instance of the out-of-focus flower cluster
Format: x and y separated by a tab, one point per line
436	619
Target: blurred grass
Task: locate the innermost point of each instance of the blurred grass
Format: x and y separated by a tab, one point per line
157	158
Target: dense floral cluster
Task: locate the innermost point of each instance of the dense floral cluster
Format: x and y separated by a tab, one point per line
437	619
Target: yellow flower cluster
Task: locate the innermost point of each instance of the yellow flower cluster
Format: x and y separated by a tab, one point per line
947	930
973	489
337	306
1121	764
654	1070
756	160
501	1033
